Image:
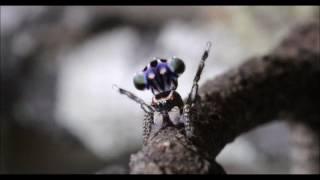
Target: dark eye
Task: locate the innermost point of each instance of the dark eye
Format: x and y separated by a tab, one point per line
144	69
153	63
139	81
162	70
177	65
163	60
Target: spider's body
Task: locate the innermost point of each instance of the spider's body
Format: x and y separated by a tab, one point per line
167	107
161	77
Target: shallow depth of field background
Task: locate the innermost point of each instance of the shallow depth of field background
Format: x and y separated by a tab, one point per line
59	63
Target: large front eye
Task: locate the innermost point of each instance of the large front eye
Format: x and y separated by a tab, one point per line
177	65
139	81
151	75
162	70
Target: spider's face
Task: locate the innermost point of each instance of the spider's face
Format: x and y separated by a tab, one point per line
160	76
162	101
166	101
168	109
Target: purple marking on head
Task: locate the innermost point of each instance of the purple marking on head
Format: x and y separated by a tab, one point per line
159	77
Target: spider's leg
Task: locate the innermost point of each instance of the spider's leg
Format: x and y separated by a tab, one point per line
186	120
192	104
159	121
147	123
149	110
193	95
145	107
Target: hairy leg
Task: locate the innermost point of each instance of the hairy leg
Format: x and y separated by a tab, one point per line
147	123
191	107
149	112
145	107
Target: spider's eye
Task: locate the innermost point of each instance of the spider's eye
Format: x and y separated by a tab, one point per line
144	69
177	65
163	60
151	75
162	70
154	63
139	81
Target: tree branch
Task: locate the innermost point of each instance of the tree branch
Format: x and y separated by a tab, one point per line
281	85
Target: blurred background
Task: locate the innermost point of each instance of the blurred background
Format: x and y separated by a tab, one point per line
60	113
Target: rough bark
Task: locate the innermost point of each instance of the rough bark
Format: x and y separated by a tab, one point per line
283	84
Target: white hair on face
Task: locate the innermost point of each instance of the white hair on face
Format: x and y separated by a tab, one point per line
163	70
151	75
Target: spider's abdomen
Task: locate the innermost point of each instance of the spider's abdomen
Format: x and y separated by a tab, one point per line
160	75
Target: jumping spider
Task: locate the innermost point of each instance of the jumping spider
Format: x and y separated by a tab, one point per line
167	107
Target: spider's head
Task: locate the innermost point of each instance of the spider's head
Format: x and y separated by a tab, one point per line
160	75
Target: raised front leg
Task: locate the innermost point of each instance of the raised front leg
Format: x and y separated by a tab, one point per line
192	105
144	106
149	111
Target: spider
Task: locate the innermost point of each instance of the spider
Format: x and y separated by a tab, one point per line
167	107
